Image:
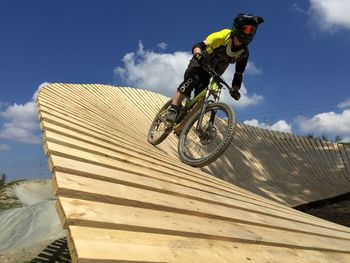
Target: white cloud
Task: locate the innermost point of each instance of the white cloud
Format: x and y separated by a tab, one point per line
246	99
345	104
162	45
4	147
330	14
163	72
21	122
298	9
280	125
38	90
346	139
252	69
329	123
159	72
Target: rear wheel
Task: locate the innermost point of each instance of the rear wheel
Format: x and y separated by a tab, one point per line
160	128
218	127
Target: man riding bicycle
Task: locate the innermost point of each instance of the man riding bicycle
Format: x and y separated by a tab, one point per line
219	50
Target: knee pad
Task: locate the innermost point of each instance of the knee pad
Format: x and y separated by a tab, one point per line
187	86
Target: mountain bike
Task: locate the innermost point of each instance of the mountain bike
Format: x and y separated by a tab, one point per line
205	127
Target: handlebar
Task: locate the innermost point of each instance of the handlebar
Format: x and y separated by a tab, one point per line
215	75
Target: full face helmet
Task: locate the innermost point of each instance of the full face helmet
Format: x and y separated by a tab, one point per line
245	26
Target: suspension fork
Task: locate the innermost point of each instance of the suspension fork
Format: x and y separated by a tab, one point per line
212	117
213	113
199	129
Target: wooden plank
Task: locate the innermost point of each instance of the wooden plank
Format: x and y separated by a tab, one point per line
126	134
59	121
327	187
340	164
246	185
345	161
285	152
280	165
60	134
180	187
140	102
194	192
256	145
314	148
247	155
318	172
304	172
333	162
84	110
114	193
301	156
83	104
273	173
232	166
347	156
331	155
297	177
128	112
121	163
280	173
322	157
297	153
329	163
102	215
71	112
110	181
104	245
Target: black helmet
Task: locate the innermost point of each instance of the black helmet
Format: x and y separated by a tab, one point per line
244	27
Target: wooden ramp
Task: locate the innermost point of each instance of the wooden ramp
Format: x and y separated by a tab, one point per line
124	200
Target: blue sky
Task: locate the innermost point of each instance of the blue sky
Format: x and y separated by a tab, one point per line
297	79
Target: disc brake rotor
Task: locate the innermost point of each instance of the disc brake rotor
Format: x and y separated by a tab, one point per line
208	135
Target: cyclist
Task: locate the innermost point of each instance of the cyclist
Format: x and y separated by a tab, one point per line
219	49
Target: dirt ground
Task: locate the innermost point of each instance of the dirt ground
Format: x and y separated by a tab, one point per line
24	254
9	200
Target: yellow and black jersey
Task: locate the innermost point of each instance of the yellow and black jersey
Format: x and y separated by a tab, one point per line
221	53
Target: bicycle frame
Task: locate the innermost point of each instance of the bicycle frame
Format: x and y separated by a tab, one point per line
200	102
214	89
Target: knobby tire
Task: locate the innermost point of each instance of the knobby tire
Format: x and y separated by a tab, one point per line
161	137
230	131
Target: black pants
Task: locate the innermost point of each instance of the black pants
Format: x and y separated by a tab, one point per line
195	78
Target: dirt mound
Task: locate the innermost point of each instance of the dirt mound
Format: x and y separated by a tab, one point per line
32	226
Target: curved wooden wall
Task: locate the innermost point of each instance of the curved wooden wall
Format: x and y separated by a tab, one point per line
124	200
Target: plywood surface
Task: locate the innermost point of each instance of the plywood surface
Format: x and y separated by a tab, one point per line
124	200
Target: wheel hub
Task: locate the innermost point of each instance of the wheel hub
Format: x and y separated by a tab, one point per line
208	135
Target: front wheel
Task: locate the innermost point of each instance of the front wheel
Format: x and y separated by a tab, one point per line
160	128
201	147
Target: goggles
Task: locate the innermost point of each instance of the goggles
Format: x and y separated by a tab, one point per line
248	30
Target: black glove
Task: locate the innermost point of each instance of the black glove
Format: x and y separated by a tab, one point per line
235	94
200	57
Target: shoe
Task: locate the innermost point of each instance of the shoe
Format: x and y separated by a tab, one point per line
171	114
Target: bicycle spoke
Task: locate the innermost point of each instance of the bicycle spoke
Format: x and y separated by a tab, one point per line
196	146
159	129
